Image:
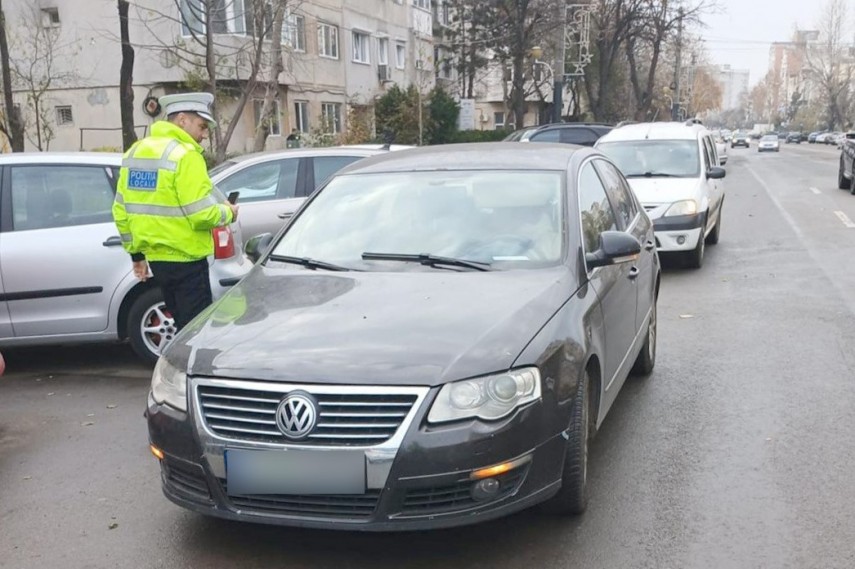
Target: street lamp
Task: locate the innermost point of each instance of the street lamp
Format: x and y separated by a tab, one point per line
537	53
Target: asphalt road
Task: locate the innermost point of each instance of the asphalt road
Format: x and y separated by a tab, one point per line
736	453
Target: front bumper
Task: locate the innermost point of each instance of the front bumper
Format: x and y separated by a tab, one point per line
678	233
420	481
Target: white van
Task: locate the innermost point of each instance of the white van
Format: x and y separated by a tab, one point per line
674	170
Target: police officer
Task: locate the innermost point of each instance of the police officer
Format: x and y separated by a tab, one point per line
164	207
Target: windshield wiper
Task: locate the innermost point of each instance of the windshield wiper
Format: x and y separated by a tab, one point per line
652	175
427	259
309	263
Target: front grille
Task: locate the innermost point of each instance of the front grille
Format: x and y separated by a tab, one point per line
344	419
186	479
359	506
457	497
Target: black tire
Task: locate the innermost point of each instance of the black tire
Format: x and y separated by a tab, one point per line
695	258
842	182
572	498
646	359
715	234
852	186
149	313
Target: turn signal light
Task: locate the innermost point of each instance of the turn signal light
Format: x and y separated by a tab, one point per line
156	452
499	469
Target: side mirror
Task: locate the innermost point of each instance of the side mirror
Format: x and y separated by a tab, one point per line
716	173
256	246
615	247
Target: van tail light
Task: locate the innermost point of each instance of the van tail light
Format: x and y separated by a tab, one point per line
224	243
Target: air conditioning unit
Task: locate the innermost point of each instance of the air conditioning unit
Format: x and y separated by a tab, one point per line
384	73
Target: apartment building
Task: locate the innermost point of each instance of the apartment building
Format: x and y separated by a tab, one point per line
734	85
337	55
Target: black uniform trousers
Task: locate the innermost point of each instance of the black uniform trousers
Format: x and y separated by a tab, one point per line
186	288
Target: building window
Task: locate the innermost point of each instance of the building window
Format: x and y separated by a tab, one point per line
360	47
444	68
50	17
443	12
383	51
273	126
328	41
423	4
64	117
294	32
227	17
331	114
499	120
400	55
301	116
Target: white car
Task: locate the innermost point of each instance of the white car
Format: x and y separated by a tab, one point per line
769	143
675	171
721	150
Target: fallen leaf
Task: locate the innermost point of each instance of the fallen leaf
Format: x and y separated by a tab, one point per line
113	525
88	424
111	406
52	393
684	316
28	478
91	415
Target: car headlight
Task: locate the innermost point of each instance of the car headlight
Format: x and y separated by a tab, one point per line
490	397
685	207
169	385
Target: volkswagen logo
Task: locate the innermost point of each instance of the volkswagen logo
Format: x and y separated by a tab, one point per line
297	415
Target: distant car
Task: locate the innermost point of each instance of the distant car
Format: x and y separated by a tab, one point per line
811	138
794	137
721	150
674	171
769	143
521	134
583	134
64	276
273	185
740	139
432	341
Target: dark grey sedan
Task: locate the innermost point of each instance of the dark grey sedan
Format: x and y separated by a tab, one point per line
431	342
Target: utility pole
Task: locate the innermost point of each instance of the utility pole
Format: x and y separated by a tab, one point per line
558	70
675	107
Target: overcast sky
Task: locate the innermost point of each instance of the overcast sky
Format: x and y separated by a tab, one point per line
741	31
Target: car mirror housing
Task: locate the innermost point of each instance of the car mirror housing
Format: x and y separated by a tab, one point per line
615	247
716	173
256	246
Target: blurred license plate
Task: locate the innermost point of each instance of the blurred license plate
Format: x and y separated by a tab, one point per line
294	472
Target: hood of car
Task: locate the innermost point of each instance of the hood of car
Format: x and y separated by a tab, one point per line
407	328
659	191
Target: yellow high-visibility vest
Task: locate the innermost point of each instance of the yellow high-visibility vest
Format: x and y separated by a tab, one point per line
164	208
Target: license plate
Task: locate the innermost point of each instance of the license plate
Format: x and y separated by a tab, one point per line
294	472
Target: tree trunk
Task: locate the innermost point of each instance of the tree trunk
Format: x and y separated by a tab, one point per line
275	70
14	125
126	79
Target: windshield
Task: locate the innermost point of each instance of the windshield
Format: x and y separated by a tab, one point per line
769	137
672	158
506	219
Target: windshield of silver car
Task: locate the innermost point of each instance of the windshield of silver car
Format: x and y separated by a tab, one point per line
655	158
501	219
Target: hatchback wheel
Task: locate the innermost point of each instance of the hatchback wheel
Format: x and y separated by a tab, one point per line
647	356
572	498
150	325
695	258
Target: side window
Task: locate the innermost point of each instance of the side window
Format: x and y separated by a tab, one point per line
326	166
44	197
553	135
582	136
618	193
709	154
594	208
266	181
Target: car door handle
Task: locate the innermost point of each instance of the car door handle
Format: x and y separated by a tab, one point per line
286	215
114	241
633	273
649	245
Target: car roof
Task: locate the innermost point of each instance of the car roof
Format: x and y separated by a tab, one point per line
471	156
308	152
108	158
655	131
563	125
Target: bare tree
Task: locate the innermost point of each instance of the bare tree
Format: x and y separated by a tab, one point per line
12	126
126	79
828	61
275	68
41	55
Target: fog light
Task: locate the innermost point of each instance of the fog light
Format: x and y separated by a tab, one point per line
485	490
681	239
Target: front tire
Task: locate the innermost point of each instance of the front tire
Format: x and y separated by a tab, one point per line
842	182
150	326
572	498
695	258
646	359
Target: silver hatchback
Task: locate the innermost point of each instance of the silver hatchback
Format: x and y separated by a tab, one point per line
64	276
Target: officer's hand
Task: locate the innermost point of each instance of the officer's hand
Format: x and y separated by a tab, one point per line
234	209
141	270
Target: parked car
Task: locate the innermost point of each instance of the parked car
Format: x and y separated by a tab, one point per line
520	134
432	341
846	169
272	185
794	137
64	276
812	137
721	150
769	143
674	170
740	139
584	134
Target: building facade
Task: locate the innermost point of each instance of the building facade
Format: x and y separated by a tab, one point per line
734	85
337	55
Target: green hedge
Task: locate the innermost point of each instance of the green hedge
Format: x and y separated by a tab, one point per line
479	135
